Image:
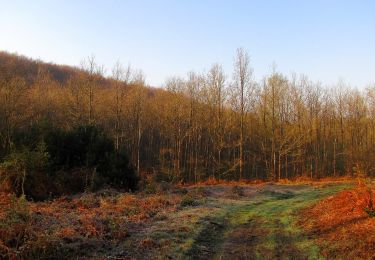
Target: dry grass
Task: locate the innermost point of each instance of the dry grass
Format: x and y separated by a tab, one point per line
167	224
213	181
71	225
296	181
341	225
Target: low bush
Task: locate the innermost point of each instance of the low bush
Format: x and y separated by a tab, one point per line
188	201
15	226
47	162
370	212
238	190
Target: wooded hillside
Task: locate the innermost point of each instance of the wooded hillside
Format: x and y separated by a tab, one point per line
209	124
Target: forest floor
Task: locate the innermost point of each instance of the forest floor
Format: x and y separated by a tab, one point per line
264	221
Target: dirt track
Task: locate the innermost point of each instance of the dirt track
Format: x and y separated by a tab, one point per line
261	224
232	222
201	222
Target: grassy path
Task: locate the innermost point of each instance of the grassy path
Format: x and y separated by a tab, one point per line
261	227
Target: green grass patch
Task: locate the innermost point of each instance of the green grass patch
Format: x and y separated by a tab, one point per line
272	216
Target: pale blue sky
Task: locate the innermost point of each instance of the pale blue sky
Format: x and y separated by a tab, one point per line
327	40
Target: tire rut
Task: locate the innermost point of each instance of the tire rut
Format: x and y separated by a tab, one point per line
242	242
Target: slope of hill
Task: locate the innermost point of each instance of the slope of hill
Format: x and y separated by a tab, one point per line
21	66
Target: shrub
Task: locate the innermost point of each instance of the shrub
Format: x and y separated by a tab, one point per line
49	162
202	192
151	188
238	190
88	147
188	201
121	174
370	212
20	164
89	200
15	225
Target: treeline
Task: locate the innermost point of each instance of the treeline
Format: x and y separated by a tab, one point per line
209	124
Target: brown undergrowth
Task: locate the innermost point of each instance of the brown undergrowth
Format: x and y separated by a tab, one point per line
176	222
342	224
297	181
79	225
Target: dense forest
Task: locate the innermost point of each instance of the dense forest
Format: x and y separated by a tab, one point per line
110	127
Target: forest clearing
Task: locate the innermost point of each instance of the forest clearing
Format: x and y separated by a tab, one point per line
164	129
314	220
